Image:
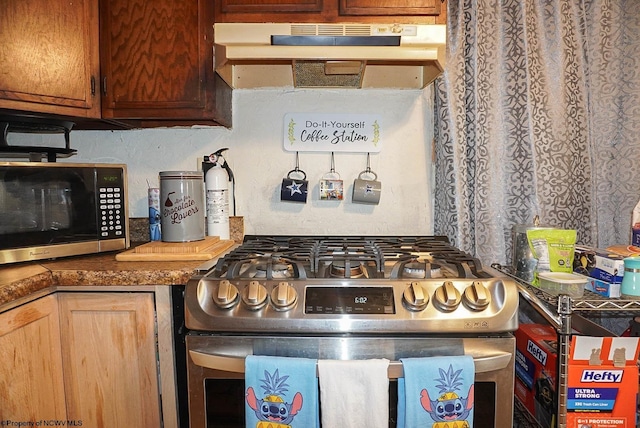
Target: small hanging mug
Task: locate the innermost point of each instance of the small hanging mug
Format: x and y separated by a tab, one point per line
331	187
366	191
294	189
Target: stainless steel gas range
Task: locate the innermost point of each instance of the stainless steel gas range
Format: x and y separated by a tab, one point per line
347	297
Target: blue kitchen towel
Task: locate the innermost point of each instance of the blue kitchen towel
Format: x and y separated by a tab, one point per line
436	392
281	392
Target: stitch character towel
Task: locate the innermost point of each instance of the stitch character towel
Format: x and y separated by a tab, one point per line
281	392
436	392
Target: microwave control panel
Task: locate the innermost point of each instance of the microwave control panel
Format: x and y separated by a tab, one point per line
111	203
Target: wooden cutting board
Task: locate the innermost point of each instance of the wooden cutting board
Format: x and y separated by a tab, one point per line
206	249
177	247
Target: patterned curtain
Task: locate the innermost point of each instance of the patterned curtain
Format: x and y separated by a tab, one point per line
538	113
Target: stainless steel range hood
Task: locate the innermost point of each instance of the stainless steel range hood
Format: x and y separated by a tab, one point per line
307	55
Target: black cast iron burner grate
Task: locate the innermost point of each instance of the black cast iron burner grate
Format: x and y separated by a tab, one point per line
347	257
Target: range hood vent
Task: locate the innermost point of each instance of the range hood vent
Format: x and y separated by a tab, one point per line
329	55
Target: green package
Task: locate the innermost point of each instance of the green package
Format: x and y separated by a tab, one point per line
554	249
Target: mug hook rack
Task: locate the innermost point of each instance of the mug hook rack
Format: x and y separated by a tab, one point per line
297	168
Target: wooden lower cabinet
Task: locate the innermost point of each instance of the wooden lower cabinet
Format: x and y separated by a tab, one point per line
89	358
109	358
31	376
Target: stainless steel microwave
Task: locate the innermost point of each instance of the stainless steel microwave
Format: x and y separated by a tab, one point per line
50	210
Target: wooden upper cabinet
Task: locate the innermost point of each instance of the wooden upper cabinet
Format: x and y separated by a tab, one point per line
390	7
157	62
49	56
243	6
329	11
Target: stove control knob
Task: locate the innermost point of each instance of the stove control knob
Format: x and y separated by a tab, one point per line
255	296
414	297
476	296
227	295
447	297
283	296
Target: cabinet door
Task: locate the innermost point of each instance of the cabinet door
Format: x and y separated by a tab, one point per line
49	59
390	7
31	381
332	11
109	354
157	60
261	6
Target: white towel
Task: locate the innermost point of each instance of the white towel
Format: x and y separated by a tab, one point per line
354	393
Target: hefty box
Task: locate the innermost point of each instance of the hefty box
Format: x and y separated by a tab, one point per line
536	356
604	288
599	264
602	382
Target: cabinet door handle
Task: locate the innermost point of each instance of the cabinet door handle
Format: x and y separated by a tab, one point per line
93	86
104	86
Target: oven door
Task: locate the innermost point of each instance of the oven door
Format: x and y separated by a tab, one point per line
215	367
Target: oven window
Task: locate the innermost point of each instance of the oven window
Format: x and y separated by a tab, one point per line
225	403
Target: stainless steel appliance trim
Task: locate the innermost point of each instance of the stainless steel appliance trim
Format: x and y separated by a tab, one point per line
52	251
235	348
63	164
500	316
236	364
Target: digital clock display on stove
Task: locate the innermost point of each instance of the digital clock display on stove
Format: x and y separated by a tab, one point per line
349	300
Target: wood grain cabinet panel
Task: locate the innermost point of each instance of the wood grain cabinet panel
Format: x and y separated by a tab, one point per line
331	11
390	7
109	355
157	61
31	379
230	6
49	56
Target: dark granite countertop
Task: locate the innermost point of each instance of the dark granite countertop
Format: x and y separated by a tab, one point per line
18	281
96	270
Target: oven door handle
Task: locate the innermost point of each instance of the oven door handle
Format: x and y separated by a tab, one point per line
226	363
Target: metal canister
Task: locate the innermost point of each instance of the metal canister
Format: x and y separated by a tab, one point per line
182	201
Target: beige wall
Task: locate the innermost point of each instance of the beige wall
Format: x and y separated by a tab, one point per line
259	161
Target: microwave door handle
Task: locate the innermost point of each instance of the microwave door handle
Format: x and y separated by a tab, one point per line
225	363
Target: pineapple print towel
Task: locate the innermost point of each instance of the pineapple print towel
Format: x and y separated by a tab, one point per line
281	392
354	393
436	392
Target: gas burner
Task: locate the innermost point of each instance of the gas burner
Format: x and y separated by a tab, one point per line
338	269
264	267
238	265
414	270
278	270
412	267
419	270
